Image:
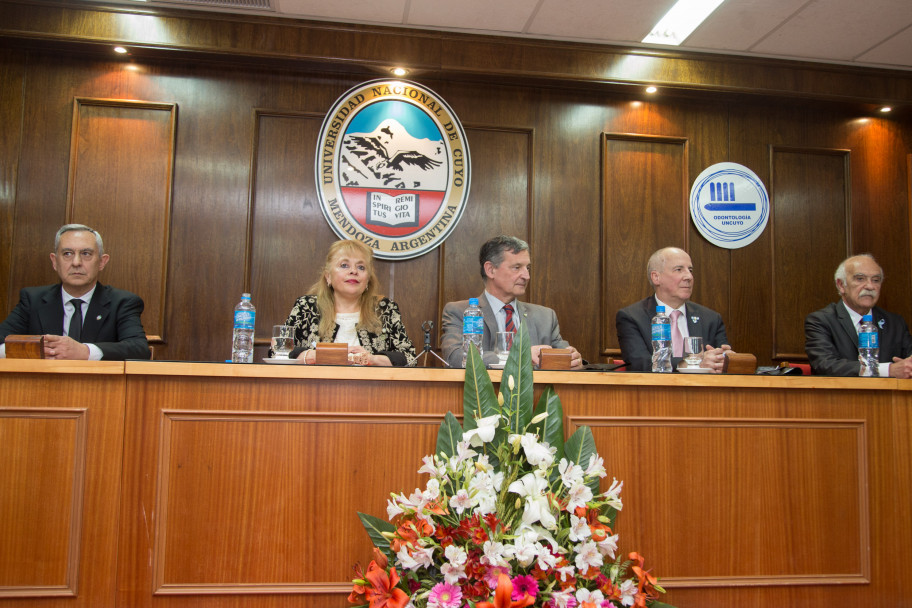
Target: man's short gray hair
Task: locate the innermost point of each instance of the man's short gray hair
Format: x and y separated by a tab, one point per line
840	274
78	228
656	261
493	251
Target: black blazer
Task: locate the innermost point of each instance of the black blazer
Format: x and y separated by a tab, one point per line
112	320
634	330
831	341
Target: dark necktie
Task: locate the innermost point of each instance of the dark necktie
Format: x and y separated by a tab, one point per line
509	325
75	330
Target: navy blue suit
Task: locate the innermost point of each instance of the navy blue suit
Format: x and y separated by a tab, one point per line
634	330
112	320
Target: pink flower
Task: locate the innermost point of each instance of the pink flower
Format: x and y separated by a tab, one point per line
492	574
524	585
444	595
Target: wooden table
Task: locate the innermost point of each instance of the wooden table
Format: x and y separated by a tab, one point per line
158	484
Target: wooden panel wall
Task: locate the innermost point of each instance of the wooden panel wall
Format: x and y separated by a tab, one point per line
556	165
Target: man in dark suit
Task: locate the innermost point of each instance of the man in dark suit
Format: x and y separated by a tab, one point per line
505	264
670	272
831	334
79	317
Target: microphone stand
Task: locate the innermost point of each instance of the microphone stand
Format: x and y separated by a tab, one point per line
427	326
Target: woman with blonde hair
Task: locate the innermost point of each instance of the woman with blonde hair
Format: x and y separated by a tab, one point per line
345	305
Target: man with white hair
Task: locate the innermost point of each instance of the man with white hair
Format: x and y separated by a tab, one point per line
831	333
670	272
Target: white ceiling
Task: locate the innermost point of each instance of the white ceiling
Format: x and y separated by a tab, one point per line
854	32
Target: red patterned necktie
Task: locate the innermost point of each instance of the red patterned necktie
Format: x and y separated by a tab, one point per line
508	325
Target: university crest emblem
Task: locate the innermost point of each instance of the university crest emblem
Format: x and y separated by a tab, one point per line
392	168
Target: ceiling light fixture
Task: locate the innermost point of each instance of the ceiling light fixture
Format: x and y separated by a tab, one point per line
651	90
120	49
399	72
680	21
886	109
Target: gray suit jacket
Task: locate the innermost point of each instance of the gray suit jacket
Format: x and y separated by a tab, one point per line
634	330
831	341
540	322
112	320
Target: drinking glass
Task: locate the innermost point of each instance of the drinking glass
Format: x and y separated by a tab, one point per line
282	341
502	344
693	351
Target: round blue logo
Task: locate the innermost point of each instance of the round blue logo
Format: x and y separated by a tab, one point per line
729	205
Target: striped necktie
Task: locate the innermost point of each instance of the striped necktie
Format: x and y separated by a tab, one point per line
509	325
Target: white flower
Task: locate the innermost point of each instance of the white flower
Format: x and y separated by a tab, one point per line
571	473
561	598
463	453
584	595
546	559
579	528
393	508
539	455
420	557
588	556
566	572
608	546
596	466
456	555
432	492
537	508
432	467
461	501
578	496
613	495
484	433
452	574
495	554
628	591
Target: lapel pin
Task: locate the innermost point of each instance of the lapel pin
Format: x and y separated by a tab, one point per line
98	318
881	323
695	319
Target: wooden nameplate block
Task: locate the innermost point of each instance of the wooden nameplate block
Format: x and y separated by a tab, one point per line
331	353
24	347
555	358
739	363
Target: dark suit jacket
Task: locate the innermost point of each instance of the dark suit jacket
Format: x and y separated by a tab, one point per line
540	321
831	341
112	321
634	330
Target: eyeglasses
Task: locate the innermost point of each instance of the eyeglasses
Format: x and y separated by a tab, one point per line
85	255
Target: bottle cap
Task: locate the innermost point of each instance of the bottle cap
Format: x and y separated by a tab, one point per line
473	301
660	309
867	318
245	296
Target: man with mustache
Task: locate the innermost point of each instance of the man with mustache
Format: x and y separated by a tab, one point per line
505	266
79	317
671	273
831	334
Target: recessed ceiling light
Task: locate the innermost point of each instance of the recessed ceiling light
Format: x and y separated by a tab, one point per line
651	89
886	109
399	71
680	21
120	49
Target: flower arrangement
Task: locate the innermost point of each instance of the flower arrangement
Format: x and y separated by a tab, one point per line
511	515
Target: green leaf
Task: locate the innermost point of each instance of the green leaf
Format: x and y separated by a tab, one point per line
658	604
519	367
578	448
449	435
375	528
552	428
478	398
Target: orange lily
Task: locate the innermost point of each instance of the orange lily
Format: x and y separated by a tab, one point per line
383	592
503	596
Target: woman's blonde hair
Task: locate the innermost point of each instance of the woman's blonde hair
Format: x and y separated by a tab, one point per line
369	320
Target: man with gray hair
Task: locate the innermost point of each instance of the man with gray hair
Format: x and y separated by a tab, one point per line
831	333
670	272
505	265
79	317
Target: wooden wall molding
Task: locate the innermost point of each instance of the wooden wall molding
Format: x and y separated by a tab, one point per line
20	502
120	183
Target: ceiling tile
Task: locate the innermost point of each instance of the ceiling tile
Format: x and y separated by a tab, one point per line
737	25
837	29
369	11
498	16
615	20
895	51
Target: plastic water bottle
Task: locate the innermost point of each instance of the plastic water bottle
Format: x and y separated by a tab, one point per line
661	342
472	329
868	347
242	341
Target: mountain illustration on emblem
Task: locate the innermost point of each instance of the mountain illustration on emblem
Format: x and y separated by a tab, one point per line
389	157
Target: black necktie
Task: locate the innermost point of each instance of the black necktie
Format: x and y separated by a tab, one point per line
75	330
